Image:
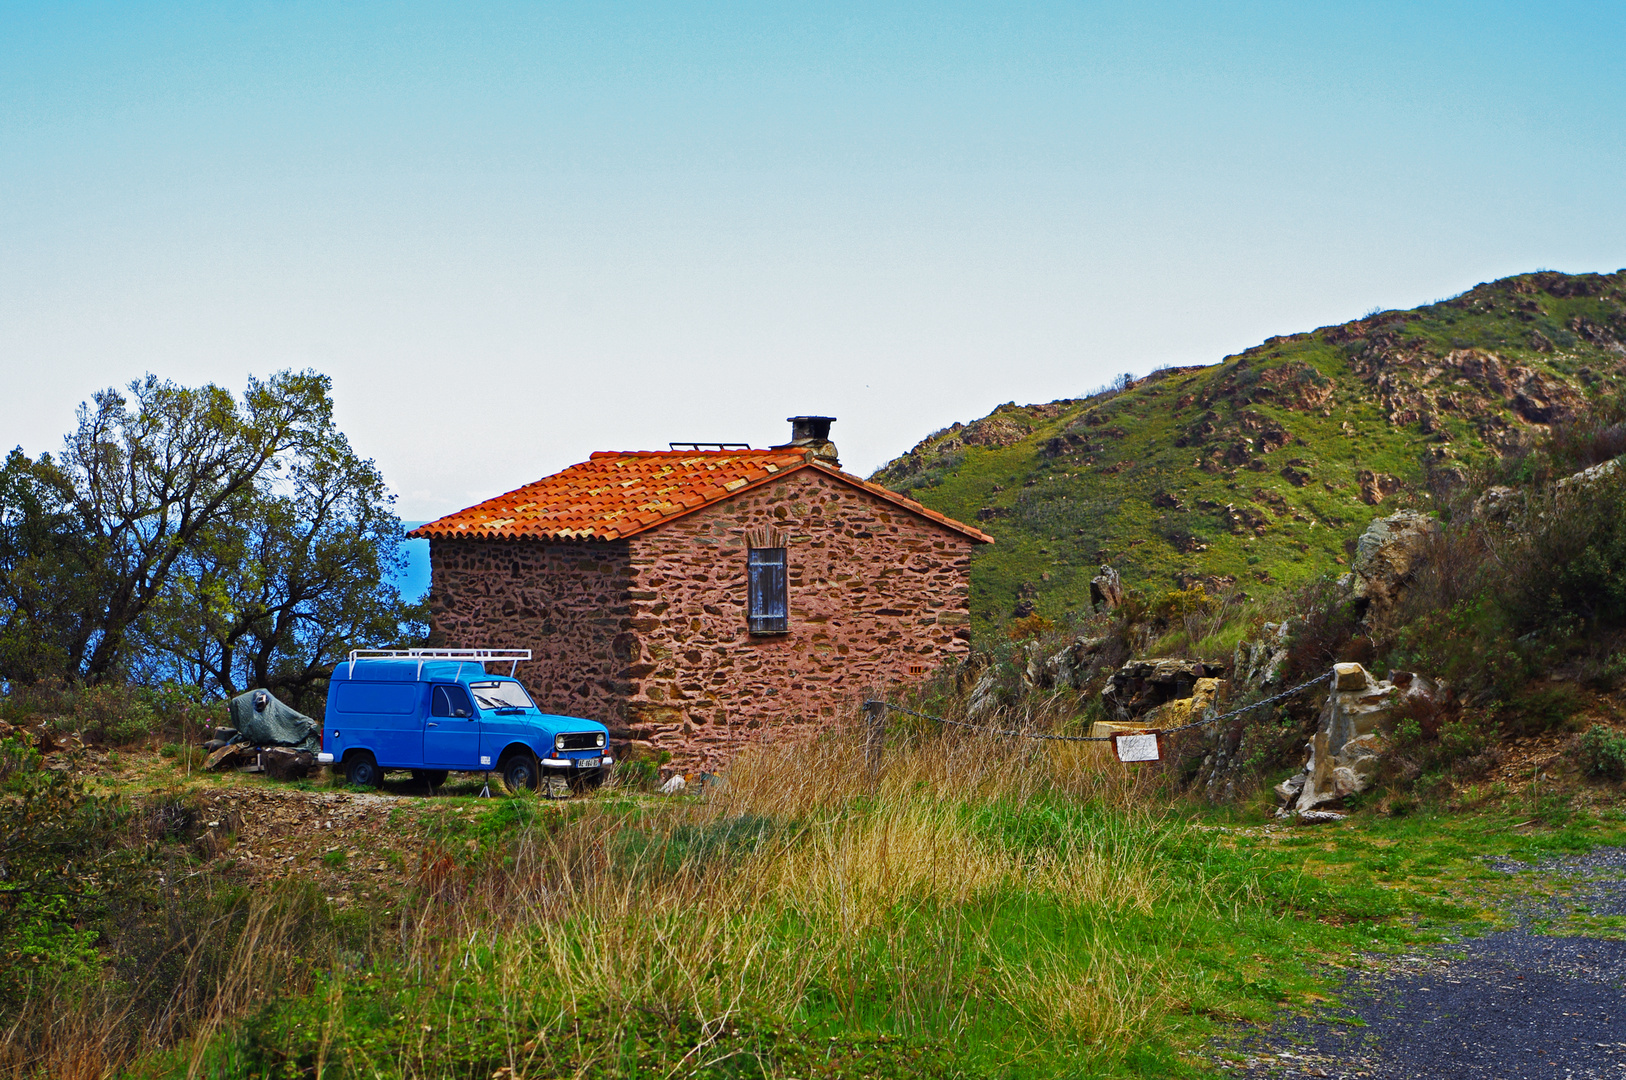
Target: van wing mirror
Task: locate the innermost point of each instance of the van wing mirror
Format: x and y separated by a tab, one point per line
464	713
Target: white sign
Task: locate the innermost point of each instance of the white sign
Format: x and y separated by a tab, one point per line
1136	747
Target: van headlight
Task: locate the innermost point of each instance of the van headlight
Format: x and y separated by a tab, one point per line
601	738
558	742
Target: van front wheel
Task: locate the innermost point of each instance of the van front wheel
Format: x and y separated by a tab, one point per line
361	769
520	772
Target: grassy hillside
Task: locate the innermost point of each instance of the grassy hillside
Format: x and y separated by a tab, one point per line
1260	468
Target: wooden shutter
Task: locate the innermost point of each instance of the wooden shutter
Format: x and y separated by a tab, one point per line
768	611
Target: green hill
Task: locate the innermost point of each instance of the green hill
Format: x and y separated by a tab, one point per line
1258	469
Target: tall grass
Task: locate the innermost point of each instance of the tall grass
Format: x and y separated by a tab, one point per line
971	898
975	906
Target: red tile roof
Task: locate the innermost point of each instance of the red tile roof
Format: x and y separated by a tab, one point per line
614	495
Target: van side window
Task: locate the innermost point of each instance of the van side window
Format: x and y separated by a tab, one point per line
451	701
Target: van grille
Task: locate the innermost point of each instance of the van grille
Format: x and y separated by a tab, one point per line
579	740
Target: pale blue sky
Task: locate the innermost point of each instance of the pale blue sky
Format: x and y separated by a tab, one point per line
515	234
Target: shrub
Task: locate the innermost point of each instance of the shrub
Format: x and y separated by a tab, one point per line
1609	673
1029	626
1536	711
1571	564
1321	635
111	714
1602	753
1182	602
16	756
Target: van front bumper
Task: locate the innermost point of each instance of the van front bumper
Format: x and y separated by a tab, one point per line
577	763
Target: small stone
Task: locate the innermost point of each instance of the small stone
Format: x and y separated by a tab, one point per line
1352	676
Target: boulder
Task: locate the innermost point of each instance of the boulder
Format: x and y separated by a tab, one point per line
1206	694
1388	553
1142	685
1499	504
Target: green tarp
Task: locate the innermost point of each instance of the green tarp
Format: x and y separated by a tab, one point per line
262	720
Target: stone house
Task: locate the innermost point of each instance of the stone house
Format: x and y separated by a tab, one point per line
691	598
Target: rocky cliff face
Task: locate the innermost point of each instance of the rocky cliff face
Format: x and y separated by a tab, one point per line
1258	469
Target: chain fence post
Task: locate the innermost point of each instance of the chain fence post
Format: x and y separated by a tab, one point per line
874	736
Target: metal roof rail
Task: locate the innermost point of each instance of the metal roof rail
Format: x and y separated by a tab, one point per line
513	656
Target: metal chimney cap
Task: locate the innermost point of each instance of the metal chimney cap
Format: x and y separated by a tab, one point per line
810	428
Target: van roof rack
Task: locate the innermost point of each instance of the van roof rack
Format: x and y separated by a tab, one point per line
513	656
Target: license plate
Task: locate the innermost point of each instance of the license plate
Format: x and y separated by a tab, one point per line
586	763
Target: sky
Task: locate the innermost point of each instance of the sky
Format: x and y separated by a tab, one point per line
514	234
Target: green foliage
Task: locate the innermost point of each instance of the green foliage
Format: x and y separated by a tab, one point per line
17	756
1182	602
111	714
1542	709
1469	644
183	533
1602	753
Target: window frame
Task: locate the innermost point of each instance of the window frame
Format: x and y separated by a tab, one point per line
762	587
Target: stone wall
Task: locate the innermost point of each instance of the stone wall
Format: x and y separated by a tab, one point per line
564	601
877	596
649	634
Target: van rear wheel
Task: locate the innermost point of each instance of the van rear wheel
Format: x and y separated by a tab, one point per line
361	769
519	771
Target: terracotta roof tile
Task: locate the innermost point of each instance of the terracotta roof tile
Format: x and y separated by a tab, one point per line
614	495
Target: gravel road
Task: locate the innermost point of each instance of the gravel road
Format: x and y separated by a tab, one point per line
1510	1004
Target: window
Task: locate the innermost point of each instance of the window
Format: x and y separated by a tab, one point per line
450	701
498	696
767	612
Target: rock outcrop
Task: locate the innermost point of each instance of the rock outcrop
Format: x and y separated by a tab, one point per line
1106	590
1349	743
1387	555
1141	686
1257	664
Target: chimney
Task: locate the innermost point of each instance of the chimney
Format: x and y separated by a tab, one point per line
813	433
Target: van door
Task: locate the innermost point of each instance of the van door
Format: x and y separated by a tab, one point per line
451	737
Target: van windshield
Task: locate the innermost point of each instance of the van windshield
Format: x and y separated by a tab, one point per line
500	696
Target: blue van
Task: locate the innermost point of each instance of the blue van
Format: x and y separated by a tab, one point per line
436	711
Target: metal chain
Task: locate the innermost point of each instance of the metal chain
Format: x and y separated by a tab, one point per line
992	731
1283	696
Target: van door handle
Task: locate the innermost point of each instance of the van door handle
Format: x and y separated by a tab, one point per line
431	725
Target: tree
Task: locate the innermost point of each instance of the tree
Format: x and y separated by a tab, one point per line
50	570
183	528
298	577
